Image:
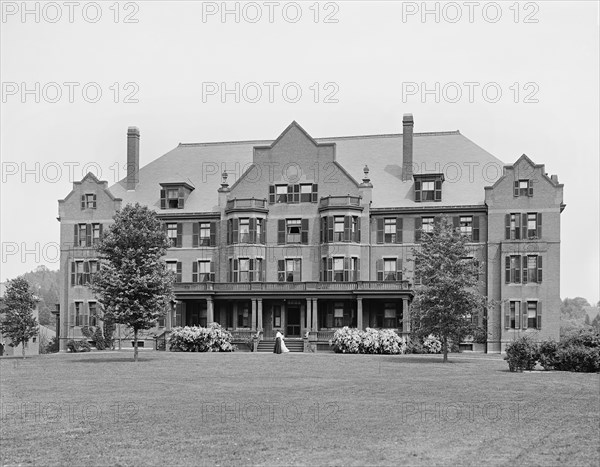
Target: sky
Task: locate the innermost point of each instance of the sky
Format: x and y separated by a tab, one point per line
515	78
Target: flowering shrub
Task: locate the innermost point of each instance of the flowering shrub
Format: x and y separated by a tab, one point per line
432	344
370	341
198	339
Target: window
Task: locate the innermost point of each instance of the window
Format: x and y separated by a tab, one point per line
390	319
306	192
466	226
202	271
281	192
93	309
204	233
354	269
338	269
243	315
90	201
79	315
244	270
289	270
515	312
79	273
389	269
532	269
532	315
338	228
244	232
172	198
260	238
96	231
534	225
276	316
355	229
257	273
175	268
172	234
82	235
427	224
428	187
513	269
293	230
523	188
390	230
338	314
93	267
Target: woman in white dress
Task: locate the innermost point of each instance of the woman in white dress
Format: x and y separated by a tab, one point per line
283	346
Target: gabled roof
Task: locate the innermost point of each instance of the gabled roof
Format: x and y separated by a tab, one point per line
461	161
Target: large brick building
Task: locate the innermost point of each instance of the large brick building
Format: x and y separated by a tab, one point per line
282	234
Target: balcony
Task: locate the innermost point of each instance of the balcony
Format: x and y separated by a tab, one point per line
183	287
339	201
246	204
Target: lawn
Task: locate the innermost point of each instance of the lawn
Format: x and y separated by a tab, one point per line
311	409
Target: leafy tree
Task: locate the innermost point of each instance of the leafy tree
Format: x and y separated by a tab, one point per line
596	322
447	296
587	319
572	314
133	284
18	323
45	284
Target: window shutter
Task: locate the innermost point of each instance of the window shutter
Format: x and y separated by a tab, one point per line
281	232
539	268
71	314
380	222
195	234
507	270
179	272
438	190
357	272
296	193
290	193
195	271
347	221
507	315
314	192
82	202
379	268
507	227
398	230
252	230
235	270
330	229
524	226
418	191
517	226
399	269
272	194
456	222
94	200
85	314
475	228
101	229
329	269
235	231
418	225
357	238
518	270
280	270
180	199
323	233
179	234
251	275
76	235
539	315
346	269
524	315
229	231
516	188
524	272
88	234
72	272
539	225
304	232
212	271
530	187
263	234
163	199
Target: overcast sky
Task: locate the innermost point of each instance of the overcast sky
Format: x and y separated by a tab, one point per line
358	66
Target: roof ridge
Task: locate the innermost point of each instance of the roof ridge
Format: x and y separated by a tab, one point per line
324	138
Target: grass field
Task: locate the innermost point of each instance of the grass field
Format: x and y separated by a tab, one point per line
309	409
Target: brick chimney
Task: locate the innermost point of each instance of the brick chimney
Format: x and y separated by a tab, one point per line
407	147
133	157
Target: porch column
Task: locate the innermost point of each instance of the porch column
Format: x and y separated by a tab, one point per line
169	316
260	314
315	320
253	322
210	311
359	313
405	316
308	314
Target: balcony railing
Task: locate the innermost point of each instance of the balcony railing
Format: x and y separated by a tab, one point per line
246	203
347	200
289	286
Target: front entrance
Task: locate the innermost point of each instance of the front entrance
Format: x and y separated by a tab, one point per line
293	321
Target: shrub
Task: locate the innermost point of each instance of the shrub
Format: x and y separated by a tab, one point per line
521	354
370	341
198	339
416	346
78	346
98	338
547	351
52	346
432	344
578	358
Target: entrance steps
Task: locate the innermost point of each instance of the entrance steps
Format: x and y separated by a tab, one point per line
294	345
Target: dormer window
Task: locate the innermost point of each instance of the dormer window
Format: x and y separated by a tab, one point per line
523	188
88	201
428	187
173	195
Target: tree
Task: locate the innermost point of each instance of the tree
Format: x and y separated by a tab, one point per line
447	297
133	285
19	324
596	323
572	314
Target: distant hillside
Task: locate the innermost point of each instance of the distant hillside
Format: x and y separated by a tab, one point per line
45	284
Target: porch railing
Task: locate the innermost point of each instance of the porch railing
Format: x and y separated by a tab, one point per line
246	203
289	286
340	201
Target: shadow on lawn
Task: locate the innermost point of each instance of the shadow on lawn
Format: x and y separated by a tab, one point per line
423	359
111	360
